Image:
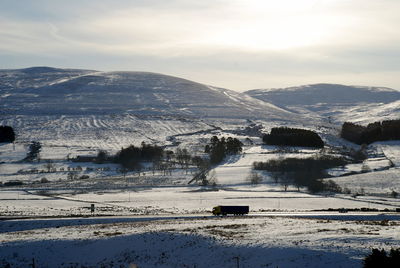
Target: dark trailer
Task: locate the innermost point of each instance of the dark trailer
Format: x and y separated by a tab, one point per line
235	210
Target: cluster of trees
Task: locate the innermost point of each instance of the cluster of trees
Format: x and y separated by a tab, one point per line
218	149
284	136
7	134
377	131
131	156
307	172
379	258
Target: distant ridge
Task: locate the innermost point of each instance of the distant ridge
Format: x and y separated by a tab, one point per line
334	102
325	93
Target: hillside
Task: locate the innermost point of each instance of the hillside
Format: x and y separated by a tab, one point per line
335	102
108	110
49	91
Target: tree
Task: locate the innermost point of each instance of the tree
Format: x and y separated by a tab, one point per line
33	151
129	157
101	157
379	258
7	134
49	166
72	175
219	148
209	179
254	178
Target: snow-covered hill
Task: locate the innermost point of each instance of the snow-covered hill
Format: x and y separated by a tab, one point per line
108	110
335	102
48	91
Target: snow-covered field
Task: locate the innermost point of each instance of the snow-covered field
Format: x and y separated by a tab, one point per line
166	225
159	221
154	220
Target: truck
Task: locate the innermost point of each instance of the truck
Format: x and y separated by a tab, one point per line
235	210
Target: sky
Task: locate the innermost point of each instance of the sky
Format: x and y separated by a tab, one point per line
235	44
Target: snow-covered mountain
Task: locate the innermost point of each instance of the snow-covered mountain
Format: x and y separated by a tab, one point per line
336	102
48	91
92	109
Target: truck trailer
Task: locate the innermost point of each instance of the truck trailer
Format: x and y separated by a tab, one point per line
235	210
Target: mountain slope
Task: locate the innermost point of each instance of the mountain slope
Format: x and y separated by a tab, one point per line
50	91
89	110
336	102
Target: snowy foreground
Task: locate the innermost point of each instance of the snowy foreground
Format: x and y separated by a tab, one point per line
173	227
160	221
250	241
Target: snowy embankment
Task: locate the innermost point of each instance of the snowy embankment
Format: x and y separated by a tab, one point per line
209	242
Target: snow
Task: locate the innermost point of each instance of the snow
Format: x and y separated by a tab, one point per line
378	182
334	102
143	93
150	219
208	242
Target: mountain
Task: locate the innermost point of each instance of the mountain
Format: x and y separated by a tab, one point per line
335	102
86	109
50	91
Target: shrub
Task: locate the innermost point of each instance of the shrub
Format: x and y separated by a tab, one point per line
331	186
378	258
13	183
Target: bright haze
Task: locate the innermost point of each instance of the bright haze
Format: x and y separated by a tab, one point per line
236	44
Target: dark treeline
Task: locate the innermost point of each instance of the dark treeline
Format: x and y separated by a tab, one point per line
285	136
218	149
131	156
378	131
306	172
7	134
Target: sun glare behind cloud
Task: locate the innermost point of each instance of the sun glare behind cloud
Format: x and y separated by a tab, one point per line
273	25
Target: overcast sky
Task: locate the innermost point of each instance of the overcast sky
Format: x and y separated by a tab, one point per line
236	44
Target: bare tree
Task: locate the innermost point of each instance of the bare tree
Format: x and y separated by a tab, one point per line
49	166
254	178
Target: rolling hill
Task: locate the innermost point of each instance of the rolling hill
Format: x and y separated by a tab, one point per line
92	109
50	91
335	102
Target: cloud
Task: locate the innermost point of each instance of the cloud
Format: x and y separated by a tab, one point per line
262	40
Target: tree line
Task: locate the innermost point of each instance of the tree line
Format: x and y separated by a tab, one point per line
377	131
284	136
